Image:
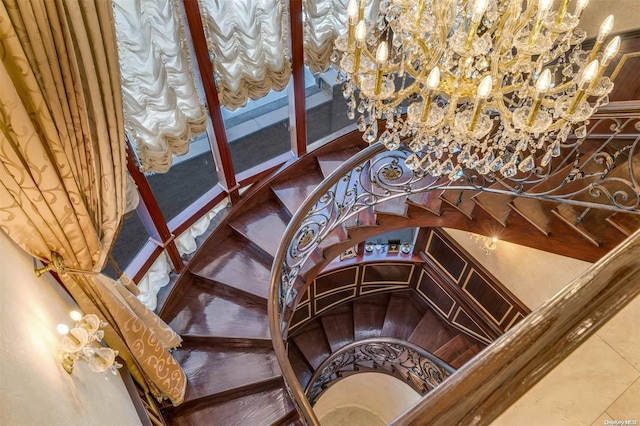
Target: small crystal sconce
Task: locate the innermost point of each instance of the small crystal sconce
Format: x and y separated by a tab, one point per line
80	343
487	244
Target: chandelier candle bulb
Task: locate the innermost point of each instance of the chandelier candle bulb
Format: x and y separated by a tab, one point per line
484	90
543	9
580	6
609	52
352	13
542	85
605	28
382	54
433	82
603	32
479	7
585	80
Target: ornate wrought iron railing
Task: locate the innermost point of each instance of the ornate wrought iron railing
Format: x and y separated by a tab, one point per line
598	168
422	370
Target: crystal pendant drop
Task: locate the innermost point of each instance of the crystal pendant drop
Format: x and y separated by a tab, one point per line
581	132
546	159
412	162
435	169
496	164
522	144
437	151
509	169
527	164
464	155
362	124
447	167
483	167
346	91
405	129
455	174
395	143
473	161
555	149
369	135
385	138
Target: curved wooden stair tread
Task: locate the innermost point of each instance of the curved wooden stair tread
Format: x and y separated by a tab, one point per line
496	205
206	312
262	224
231	262
258	407
627	223
232	370
338	326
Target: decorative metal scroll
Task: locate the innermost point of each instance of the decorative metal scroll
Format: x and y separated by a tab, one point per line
600	170
420	369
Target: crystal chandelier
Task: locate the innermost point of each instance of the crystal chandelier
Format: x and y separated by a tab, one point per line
487	85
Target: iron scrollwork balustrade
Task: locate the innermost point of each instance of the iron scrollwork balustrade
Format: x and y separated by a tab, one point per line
419	368
383	176
598	170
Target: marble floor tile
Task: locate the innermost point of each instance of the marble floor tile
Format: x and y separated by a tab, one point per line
622	339
627	406
600	420
577	391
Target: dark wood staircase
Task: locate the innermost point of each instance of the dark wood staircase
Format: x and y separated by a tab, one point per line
397	315
219	303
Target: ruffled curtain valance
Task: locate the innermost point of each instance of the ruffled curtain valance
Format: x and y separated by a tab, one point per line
62	168
248	42
162	108
324	20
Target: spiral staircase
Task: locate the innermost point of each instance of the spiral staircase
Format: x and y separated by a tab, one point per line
219	303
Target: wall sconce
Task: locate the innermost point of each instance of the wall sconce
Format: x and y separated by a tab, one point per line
80	343
487	244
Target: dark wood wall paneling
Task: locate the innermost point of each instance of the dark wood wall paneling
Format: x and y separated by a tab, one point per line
445	277
452	280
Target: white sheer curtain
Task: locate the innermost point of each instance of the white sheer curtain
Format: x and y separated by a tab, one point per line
162	108
248	42
324	20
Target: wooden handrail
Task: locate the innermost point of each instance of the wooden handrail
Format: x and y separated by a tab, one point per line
480	391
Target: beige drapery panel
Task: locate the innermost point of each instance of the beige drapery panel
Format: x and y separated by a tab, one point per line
162	108
324	20
62	167
248	42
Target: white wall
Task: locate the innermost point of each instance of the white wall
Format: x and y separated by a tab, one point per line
35	389
367	399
